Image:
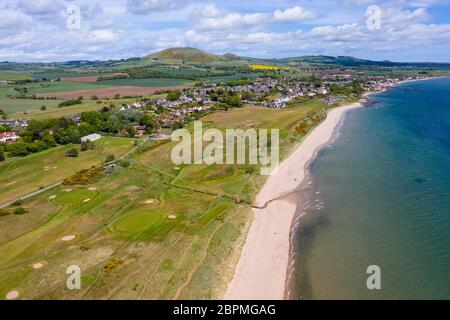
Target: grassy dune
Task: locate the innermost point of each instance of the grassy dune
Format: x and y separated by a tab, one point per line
149	231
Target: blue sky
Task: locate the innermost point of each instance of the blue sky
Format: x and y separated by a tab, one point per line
37	30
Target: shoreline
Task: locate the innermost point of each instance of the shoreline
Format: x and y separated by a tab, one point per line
269	236
262	270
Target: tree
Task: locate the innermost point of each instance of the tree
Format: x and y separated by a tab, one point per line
2	154
234	101
149	121
69	135
73	153
174	95
18	149
2	113
43	108
87	145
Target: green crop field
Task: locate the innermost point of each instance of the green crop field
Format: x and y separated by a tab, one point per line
11	106
24	175
13	75
61	74
23	106
62	86
152	230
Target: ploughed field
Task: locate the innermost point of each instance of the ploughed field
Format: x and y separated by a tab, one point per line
147	230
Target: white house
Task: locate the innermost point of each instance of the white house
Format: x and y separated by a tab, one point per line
6	137
91	137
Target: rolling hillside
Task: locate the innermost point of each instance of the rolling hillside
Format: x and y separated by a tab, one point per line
185	55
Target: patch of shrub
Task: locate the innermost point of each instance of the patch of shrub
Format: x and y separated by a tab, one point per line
110	158
4	212
17	203
112	264
124	163
73	153
20	210
85	177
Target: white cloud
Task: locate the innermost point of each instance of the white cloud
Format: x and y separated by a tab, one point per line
209	11
101	37
149	6
233	20
294	14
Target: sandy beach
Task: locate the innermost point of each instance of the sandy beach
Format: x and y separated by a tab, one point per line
262	268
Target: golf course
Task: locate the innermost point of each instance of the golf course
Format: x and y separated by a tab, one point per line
144	230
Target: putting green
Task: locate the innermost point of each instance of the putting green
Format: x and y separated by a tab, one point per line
143	224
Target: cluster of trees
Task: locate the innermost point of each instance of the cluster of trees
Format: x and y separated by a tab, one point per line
35	138
115	121
70	103
226	98
354	88
45	134
145	73
174	95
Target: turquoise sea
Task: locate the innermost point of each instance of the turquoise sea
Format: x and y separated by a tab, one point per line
379	194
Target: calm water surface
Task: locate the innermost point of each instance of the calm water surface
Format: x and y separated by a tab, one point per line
379	194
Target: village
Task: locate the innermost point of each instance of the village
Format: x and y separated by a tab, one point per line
180	108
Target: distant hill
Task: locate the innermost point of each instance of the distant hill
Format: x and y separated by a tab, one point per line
191	56
347	61
185	55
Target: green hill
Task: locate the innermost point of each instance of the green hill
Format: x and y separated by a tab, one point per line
185	55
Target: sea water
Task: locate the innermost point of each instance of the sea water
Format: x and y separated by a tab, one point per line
379	195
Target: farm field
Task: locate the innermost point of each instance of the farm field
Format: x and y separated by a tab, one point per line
59	74
157	82
87	105
21	176
30	108
127	233
21	105
109	92
13	75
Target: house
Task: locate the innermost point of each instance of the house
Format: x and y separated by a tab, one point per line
91	137
6	137
140	130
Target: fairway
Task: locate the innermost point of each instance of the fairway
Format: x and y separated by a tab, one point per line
24	175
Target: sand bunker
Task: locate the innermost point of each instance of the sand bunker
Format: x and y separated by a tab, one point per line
172	216
38	265
68	238
150	201
52	197
14	294
132	188
92	188
177	168
67	190
86	200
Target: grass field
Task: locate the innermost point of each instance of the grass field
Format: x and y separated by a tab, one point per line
148	231
11	106
13	75
30	109
24	175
